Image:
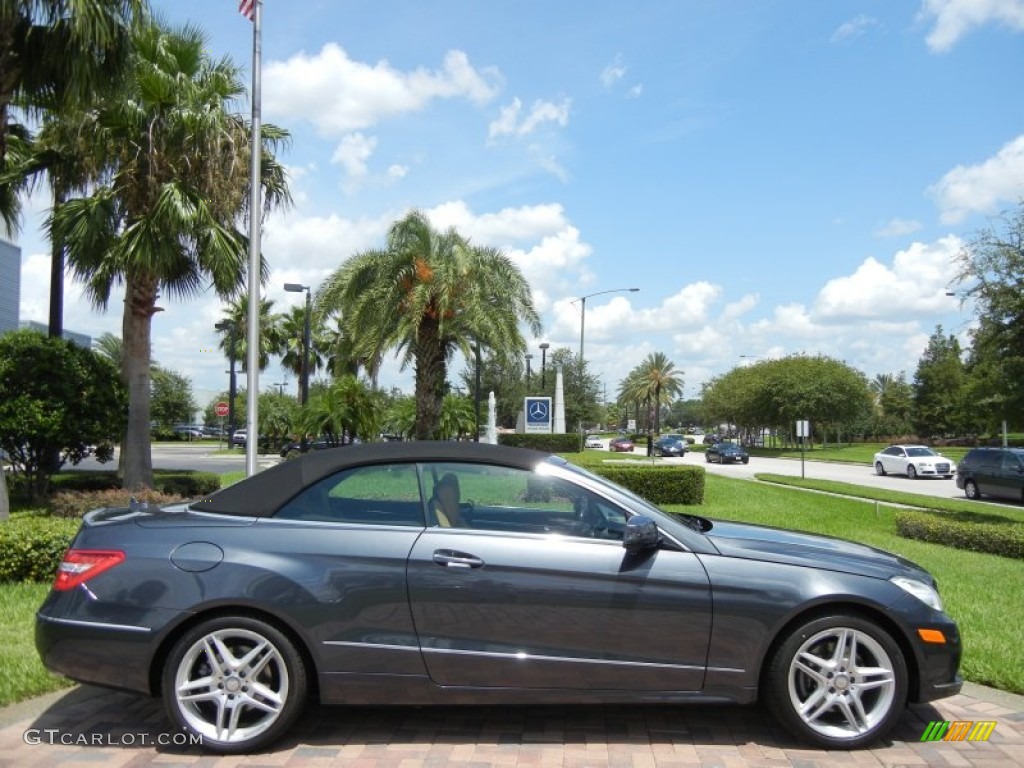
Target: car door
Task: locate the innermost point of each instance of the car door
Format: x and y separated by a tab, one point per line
1009	477
894	460
537	592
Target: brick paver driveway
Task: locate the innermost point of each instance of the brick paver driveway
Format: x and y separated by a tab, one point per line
116	729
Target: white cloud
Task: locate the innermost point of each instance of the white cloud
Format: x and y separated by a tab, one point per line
509	225
915	284
636	91
510	122
353	152
339	95
955	18
397	171
898	228
853	28
981	188
614	72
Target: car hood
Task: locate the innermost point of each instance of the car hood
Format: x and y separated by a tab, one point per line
755	542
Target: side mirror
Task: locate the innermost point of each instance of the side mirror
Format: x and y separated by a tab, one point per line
641	533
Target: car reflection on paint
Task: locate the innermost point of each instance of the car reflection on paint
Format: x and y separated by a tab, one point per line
464	573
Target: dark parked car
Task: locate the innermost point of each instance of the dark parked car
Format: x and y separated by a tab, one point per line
368	576
992	472
726	453
670	445
293	448
621	444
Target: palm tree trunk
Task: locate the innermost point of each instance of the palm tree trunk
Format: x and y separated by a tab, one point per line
139	307
430	376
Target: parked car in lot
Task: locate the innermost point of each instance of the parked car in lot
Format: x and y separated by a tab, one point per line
997	472
914	461
189	431
240	436
621	444
669	445
593	441
318	444
367	576
725	452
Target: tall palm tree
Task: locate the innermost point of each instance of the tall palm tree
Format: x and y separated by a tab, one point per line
656	382
59	53
428	294
291	329
237	313
880	385
166	218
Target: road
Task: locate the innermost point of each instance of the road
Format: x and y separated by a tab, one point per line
199	456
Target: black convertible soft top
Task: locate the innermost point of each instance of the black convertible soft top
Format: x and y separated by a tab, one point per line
265	492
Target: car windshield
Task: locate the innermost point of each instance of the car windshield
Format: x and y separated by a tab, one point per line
922	451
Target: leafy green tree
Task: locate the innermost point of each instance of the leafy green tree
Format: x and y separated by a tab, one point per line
400	416
166	218
427	294
279	416
56	398
894	400
992	274
172	398
345	407
458	417
581	388
503	376
938	386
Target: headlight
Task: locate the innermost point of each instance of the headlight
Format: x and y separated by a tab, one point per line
923	592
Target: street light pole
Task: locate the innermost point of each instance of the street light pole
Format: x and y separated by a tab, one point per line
528	359
304	376
543	364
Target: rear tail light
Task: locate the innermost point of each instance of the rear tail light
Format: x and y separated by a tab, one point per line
80	565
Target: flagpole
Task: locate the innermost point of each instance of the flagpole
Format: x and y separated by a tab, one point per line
252	435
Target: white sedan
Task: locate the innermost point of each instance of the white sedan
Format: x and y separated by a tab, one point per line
593	441
913	461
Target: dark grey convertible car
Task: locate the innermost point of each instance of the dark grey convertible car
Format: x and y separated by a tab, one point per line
460	573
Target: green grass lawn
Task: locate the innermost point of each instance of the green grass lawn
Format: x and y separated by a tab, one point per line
21	673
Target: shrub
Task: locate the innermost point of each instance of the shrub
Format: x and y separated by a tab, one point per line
659	484
31	547
77	503
183	483
993	534
567	443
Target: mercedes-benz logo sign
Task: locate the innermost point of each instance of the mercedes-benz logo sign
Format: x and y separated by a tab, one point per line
538	411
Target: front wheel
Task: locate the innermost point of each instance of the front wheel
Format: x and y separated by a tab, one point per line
839	682
911	472
236	682
971	490
879	469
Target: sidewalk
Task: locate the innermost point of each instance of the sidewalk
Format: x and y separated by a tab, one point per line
86	725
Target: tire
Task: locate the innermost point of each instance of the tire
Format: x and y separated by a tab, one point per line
911	472
971	490
879	469
230	712
707	458
823	696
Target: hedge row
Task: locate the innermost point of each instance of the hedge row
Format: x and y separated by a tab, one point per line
567	443
185	483
31	548
659	484
77	503
994	535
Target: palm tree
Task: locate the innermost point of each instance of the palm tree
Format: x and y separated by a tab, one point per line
56	54
656	382
880	385
346	408
165	219
428	294
237	313
291	329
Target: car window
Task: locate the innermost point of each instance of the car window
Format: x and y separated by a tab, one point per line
1011	463
920	452
514	500
387	494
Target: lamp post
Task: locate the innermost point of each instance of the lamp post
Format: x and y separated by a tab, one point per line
543	363
280	386
227	325
528	359
304	380
583	319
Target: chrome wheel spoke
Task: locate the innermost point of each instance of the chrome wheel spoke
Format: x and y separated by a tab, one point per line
874	677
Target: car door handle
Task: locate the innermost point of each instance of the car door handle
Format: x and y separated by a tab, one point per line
458	560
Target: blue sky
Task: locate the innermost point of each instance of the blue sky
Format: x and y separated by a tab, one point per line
776	177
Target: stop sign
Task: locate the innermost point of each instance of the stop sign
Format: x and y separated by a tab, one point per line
221	409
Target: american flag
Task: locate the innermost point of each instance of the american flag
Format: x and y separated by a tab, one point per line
247	8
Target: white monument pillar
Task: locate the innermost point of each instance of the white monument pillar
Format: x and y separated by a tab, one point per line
492	419
559	425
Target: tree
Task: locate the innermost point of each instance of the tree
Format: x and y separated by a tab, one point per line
344	409
992	274
427	294
172	397
291	332
56	398
58	53
166	218
938	386
457	417
270	335
655	382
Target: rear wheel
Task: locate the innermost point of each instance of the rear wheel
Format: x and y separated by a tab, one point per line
838	682
911	472
879	469
237	682
971	490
